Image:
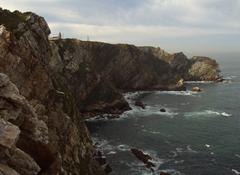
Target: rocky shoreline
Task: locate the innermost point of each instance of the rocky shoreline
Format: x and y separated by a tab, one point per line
47	87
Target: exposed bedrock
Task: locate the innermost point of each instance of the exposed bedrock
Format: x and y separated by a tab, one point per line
48	86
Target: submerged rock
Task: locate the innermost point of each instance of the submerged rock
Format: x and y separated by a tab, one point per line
162	110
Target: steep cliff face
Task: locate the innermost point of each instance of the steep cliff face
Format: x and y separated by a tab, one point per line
125	66
41	129
195	69
72	70
46	86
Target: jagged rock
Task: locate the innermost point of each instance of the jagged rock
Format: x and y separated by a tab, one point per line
51	120
22	162
196	89
139	104
203	69
8	134
4	80
90	77
145	158
6	170
194	69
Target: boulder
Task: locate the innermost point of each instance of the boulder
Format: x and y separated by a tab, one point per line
196	89
162	110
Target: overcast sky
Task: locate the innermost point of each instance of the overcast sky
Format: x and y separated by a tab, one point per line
193	26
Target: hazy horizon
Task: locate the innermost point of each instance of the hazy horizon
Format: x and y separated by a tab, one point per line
192	26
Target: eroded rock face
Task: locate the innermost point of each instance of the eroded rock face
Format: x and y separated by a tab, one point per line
46	86
6	170
11	157
127	67
194	69
53	138
8	134
203	69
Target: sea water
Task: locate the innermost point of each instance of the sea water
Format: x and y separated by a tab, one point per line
199	134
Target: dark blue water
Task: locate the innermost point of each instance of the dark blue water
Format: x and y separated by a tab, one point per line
198	135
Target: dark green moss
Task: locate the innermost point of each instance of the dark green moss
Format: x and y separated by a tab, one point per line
11	19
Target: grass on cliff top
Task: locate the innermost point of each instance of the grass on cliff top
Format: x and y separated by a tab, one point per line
11	19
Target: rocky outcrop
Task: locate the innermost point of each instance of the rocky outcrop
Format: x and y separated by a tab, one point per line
203	69
45	133
196	89
46	88
194	69
126	67
75	74
145	158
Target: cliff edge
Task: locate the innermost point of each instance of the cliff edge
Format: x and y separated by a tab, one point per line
48	86
41	129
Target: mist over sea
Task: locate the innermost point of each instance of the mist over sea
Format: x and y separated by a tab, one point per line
199	134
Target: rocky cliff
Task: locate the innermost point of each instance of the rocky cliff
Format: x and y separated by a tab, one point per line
197	68
97	72
48	86
41	129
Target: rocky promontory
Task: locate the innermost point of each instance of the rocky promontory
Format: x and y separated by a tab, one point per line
48	86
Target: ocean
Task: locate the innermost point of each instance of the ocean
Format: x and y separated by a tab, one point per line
199	134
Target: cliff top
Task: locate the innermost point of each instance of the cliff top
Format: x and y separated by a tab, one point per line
11	19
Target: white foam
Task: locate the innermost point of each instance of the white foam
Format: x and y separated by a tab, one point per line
112	152
182	93
179	161
206	113
138	167
198	82
208	146
226	114
188	149
229	77
152	132
237	155
235	171
123	147
103	145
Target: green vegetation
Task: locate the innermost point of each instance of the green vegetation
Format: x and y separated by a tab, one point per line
11	19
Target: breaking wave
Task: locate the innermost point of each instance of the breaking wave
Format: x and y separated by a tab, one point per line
206	113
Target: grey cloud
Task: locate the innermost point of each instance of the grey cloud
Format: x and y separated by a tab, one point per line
171	23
